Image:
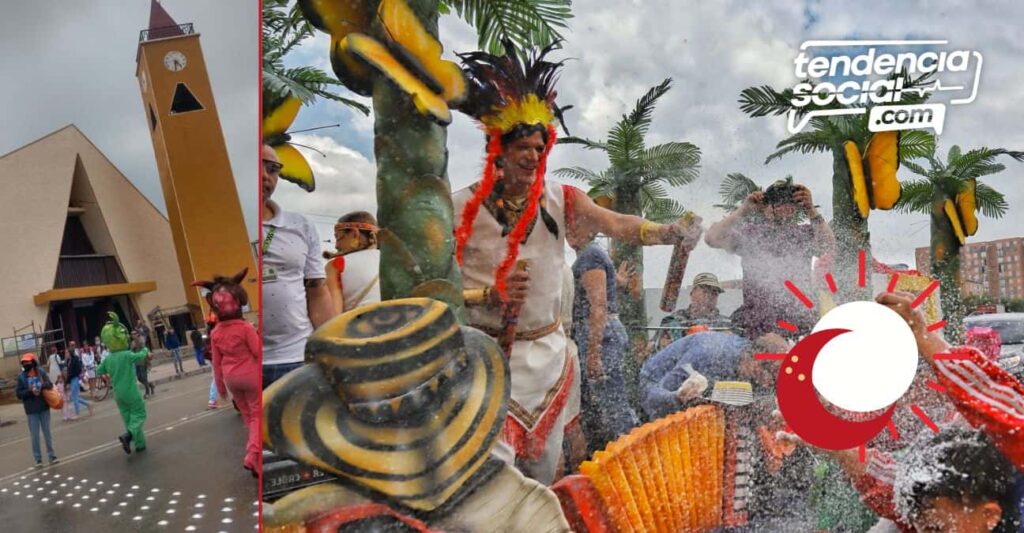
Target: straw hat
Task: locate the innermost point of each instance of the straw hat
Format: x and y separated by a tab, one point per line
398	399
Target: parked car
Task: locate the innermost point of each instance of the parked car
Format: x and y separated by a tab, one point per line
1011	332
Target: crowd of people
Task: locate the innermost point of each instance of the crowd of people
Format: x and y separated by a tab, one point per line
568	389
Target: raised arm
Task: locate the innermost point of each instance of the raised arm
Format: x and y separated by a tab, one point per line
591	219
720	234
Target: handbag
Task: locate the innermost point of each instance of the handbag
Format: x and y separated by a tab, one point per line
53	398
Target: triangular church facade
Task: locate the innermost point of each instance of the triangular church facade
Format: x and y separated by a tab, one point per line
78	240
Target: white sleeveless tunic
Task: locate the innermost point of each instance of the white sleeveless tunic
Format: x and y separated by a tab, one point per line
541	369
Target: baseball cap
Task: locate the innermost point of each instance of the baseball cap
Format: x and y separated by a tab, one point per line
707	279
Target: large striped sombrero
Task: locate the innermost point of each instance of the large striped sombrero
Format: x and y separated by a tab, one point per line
397	398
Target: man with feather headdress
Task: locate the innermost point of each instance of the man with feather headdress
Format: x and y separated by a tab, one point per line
512	251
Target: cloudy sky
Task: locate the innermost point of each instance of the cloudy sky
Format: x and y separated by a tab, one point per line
74	63
712	50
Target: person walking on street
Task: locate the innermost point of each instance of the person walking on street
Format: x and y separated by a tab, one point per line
119	366
89	363
143	330
174	345
31	382
142	367
196	338
236	357
75	370
53	361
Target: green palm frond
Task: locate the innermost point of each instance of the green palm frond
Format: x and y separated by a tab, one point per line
915	144
915	168
916	197
987	169
586	143
676	163
953	154
990	202
579	173
529	24
805	142
604	185
625	144
663	210
764	101
641	114
734	189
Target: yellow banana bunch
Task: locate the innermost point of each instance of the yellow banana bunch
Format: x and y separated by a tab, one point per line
873	177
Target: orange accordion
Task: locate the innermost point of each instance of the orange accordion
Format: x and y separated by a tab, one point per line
689	471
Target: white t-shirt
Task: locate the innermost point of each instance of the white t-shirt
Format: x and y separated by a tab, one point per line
361	270
292	256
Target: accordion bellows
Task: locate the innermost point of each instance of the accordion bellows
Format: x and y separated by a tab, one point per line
663	476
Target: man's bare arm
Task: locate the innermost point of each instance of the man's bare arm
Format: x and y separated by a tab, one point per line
592	219
318	302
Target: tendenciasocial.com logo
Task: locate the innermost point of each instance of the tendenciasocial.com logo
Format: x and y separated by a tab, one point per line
862	81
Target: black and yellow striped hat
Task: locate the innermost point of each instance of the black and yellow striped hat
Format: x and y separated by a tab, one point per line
398	399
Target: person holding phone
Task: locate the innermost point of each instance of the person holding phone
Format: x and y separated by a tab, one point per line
31	382
769	235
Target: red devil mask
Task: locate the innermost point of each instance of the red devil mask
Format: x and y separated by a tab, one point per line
226	296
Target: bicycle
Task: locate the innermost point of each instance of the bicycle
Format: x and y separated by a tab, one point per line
100	388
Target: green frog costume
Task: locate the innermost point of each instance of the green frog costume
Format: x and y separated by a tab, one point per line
120	366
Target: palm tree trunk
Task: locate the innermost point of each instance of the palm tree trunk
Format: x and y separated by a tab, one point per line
631	309
413	194
851	234
946	268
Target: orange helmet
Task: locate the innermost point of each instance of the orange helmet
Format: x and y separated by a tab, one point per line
29	357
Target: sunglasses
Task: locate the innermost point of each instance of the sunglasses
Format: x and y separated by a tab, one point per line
272	167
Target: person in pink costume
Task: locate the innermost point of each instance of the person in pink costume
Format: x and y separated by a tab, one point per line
236	350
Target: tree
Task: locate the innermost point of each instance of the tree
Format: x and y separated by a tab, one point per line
829	134
950	193
413	193
635	183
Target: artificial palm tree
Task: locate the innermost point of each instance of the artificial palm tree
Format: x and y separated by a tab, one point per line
950	193
830	134
413	193
635	183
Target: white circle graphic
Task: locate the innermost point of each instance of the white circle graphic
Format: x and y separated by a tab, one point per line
870	367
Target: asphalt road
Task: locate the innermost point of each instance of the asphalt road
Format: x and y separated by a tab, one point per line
190	477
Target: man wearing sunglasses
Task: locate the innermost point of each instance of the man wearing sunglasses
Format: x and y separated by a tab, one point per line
295	296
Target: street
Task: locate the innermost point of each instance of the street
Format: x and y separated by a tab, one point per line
189	478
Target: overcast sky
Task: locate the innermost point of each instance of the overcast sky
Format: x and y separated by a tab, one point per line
713	50
74	63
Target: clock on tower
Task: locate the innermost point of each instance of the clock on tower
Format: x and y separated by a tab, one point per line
206	220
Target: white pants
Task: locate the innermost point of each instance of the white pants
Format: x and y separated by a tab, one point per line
543	468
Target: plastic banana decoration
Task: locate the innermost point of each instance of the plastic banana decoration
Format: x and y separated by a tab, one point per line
406	54
278	115
339	18
873	177
962	211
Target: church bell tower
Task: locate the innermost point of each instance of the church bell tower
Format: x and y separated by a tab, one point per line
199	189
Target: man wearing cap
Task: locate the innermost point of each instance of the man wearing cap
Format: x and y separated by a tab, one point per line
295	296
703	310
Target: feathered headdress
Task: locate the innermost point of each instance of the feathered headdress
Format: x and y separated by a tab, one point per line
505	92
